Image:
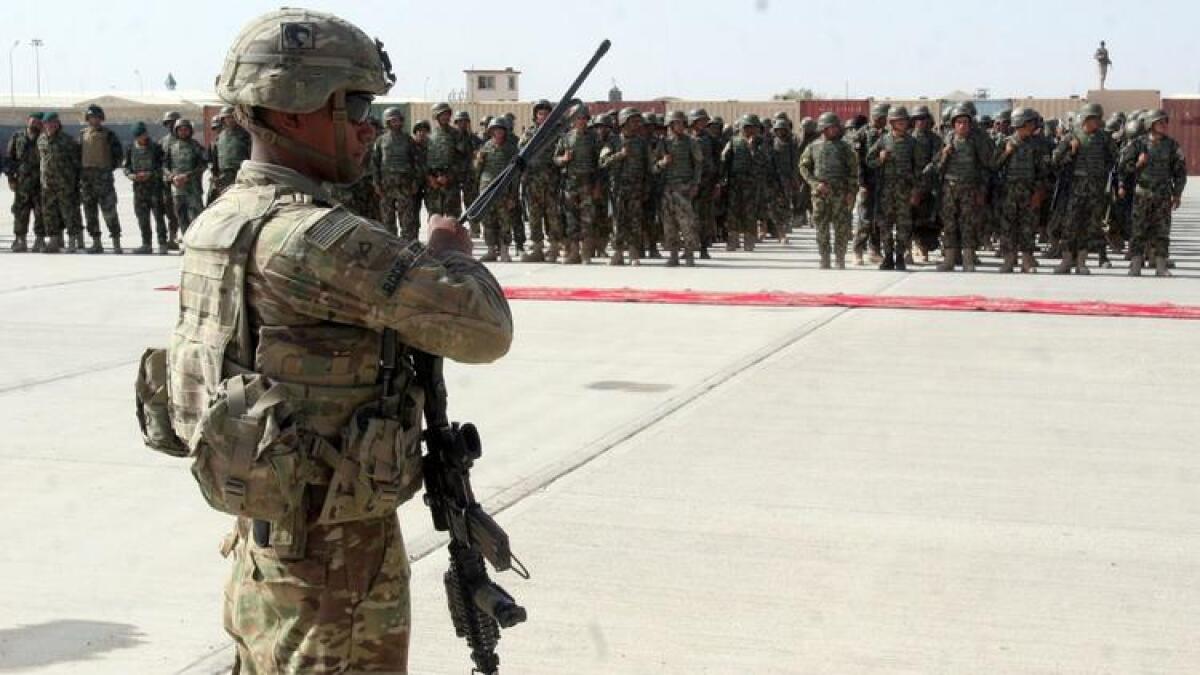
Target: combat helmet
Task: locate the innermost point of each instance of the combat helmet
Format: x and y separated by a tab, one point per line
498	122
1136	126
462	116
420	125
1022	116
170	117
226	111
182	123
696	115
1155	116
749	120
1004	116
542	104
627	114
880	110
781	115
969	107
393	113
781	123
718	121
215	122
960	110
677	116
580	110
1089	111
808	125
294	61
921	111
1114	124
439	109
986	121
826	120
94	110
897	113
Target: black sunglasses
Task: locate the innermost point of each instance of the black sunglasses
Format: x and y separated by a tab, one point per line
358	107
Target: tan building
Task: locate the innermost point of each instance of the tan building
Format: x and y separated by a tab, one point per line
493	85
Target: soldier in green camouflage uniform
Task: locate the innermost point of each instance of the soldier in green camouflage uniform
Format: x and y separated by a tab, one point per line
803	204
498	223
865	235
144	166
894	159
183	164
928	145
681	164
231	148
655	131
602	223
470	189
578	155
168	122
744	164
629	165
831	168
1022	166
447	148
1158	170
963	165
1090	155
540	192
705	202
398	176
785	160
59	173
101	154
23	168
320	590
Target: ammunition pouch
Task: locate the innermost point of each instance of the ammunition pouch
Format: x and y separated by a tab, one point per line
153	405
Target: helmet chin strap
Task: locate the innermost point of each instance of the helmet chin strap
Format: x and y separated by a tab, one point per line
340	164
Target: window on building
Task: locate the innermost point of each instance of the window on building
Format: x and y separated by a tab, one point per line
487	82
512	82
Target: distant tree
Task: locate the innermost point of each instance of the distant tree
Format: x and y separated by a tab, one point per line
171	84
802	94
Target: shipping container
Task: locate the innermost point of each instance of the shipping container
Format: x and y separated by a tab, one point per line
1051	108
845	108
1185	128
730	111
1125	100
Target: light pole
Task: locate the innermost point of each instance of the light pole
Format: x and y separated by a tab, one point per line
12	97
37	63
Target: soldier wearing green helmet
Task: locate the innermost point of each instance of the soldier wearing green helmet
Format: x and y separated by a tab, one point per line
144	168
1089	154
744	165
802	207
629	164
785	161
58	155
448	152
101	154
470	187
274	276
964	164
865	235
1023	167
680	162
184	162
499	223
23	168
893	158
705	202
577	155
168	121
540	187
833	172
928	143
1157	169
399	176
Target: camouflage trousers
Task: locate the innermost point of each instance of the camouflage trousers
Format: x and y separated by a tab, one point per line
398	206
802	203
444	199
470	186
745	207
629	218
865	233
147	201
188	204
789	203
27	199
1151	223
895	221
678	219
925	225
706	211
342	608
1018	218
99	195
960	215
60	208
540	189
500	220
832	212
652	226
1082	228
578	208
168	198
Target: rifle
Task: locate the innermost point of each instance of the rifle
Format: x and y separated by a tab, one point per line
479	607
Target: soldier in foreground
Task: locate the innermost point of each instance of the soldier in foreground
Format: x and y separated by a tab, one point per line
831	168
101	154
24	178
1024	166
273	276
1158	170
1088	154
894	159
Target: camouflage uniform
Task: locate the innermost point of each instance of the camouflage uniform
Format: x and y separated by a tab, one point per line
276	284
399	177
185	157
1083	227
59	155
101	153
540	191
705	202
681	166
144	166
785	159
865	234
231	148
167	196
1022	175
602	222
628	173
745	163
927	145
803	204
1158	184
964	170
896	181
360	197
24	169
652	226
447	148
832	163
579	189
499	222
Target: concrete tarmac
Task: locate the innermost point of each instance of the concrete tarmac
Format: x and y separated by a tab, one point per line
695	489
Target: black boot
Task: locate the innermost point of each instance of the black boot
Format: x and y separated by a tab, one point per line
901	251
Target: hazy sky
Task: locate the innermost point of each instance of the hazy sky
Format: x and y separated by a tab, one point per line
747	49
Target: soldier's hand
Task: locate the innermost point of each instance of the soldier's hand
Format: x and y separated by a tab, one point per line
666	160
566	156
445	234
884	155
1009	148
947	150
1143	160
1074	145
1175	202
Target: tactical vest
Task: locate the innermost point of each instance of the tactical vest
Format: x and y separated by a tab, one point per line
442	150
682	169
233	147
832	161
741	164
57	156
900	166
186	156
494	160
963	164
97	153
707	155
585	150
1092	160
1157	173
1022	164
786	157
142	158
925	144
543	160
24	151
395	153
633	167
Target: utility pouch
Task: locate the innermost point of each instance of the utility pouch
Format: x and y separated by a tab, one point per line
153	405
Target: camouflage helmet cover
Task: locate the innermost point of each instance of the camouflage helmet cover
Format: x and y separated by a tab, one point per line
542	104
961	110
677	116
498	122
718	120
897	113
808	124
921	111
171	116
880	110
420	125
439	108
1155	116
697	115
94	110
226	111
1091	110
293	60
627	114
781	124
826	120
1022	116
1004	115
462	116
1136	126
750	120
183	123
393	113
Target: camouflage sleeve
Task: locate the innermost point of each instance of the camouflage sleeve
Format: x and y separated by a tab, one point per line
697	162
1127	160
10	156
1179	173
560	149
335	266
1062	152
609	158
872	157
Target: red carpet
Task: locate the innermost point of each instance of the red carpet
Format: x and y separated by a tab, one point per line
951	303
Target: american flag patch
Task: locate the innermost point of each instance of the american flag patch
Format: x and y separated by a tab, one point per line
330	229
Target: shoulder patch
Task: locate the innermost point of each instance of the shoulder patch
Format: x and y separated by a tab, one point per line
331	227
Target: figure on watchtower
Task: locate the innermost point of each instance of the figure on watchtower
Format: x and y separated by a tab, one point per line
1104	62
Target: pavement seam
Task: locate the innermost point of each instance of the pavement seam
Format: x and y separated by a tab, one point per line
30	384
88	280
